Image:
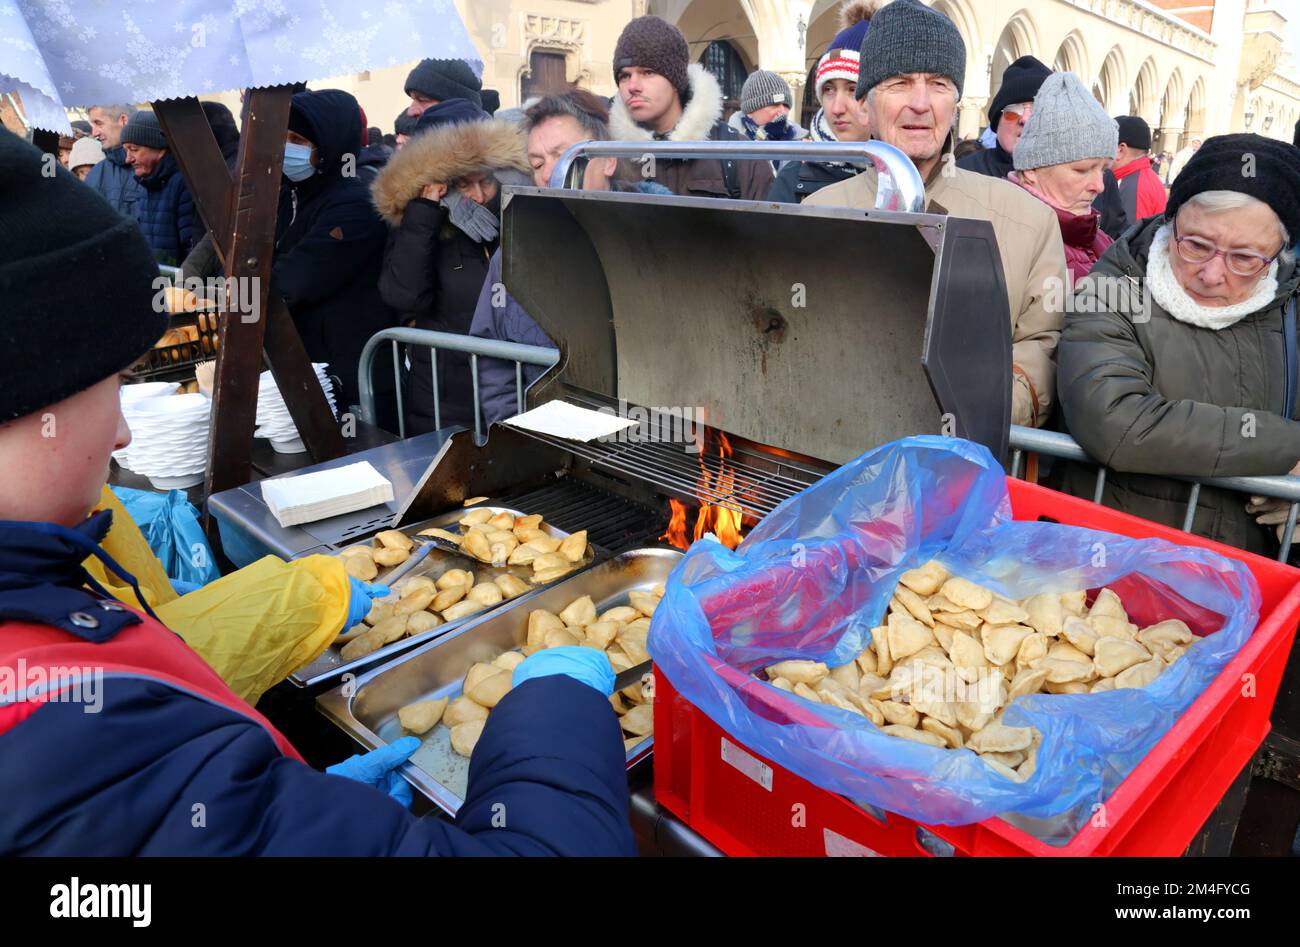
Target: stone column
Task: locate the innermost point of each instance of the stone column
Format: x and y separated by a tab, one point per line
781	28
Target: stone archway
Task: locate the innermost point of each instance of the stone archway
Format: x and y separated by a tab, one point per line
1018	38
1146	92
1196	110
975	98
1072	56
1112	85
1169	135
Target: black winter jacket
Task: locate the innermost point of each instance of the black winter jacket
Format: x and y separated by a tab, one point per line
329	247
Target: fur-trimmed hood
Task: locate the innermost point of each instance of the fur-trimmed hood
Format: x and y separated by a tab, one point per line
442	155
698	118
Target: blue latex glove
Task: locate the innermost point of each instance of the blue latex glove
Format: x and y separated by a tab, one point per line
378	768
361	596
587	665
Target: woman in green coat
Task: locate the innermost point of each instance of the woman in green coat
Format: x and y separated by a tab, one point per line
1174	360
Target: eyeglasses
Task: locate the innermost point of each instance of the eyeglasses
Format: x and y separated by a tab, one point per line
1240	262
1018	113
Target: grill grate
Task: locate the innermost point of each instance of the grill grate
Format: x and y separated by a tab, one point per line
751	483
612	522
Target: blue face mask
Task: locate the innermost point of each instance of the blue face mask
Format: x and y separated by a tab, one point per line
297	162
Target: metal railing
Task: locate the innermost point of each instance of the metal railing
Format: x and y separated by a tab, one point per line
472	346
902	188
1033	441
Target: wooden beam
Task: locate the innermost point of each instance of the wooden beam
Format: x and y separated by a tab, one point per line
242	209
255	200
296	379
201	162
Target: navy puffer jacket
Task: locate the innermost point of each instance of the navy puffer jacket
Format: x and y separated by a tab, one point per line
167	217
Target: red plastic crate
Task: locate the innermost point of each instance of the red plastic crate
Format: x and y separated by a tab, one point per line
747	805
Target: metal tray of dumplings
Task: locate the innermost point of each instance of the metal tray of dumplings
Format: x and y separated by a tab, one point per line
367	707
326	669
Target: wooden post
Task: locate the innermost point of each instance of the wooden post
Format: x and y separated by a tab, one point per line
241	213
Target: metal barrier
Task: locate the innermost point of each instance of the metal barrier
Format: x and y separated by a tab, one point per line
1031	440
474	347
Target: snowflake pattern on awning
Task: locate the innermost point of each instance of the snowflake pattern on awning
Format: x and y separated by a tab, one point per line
59	54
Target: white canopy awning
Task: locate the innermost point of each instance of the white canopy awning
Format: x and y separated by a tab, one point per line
60	54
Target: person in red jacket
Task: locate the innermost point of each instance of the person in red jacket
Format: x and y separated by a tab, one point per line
1140	188
116	738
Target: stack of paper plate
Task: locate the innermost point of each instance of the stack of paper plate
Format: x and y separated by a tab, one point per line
169	440
132	397
273	418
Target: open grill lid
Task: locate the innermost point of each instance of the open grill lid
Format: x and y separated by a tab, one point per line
822	331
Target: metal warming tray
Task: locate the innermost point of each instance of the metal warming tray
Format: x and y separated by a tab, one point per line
367	708
330	666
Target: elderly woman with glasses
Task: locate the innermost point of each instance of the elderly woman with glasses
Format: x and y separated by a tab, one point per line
1178	356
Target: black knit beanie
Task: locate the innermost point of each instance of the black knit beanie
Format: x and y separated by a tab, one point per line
649	42
143	129
1134	132
57	239
1020	83
1264	168
445	79
404	124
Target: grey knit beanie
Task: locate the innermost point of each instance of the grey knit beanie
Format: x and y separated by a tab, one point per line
905	37
1067	124
762	89
143	129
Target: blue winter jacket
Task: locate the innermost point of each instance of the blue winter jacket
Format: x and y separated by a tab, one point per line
116	182
547	776
167	217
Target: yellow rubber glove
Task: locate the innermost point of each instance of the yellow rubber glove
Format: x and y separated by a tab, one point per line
258	625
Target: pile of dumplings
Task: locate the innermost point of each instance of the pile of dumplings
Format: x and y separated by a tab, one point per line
953	654
423	604
619	632
392	548
502	539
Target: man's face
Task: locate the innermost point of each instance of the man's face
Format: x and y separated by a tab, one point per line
420	103
107	131
1196	144
548	142
648	96
768	113
1012	125
914	113
1126	155
82	171
56	460
845	113
479	186
294	138
143	159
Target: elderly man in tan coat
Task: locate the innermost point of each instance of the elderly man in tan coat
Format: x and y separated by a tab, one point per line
912	63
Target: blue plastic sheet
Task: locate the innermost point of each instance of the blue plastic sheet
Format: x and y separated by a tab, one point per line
170	525
817	574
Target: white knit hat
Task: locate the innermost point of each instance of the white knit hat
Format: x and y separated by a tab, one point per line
85	151
1067	124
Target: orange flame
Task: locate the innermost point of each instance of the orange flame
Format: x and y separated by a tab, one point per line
723	522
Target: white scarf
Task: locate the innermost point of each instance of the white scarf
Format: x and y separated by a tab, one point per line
1173	299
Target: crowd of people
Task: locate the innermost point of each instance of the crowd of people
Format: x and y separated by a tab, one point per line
1191	370
377	231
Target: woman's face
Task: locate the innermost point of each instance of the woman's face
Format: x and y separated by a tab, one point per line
479	187
1253	229
1072	186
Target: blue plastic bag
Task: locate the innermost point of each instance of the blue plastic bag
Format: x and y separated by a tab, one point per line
170	525
817	574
